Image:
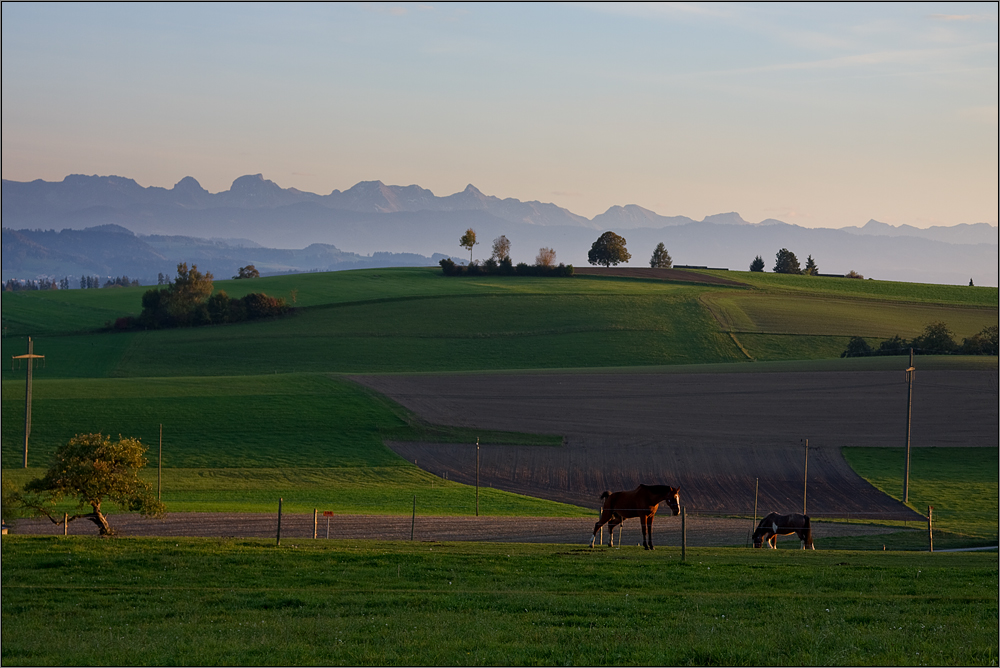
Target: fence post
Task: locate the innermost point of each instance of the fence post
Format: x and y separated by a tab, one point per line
315	521
279	521
930	527
413	520
65	524
684	533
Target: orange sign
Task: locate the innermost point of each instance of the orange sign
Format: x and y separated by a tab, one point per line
327	513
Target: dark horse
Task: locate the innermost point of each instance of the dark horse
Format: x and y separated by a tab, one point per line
775	525
641	502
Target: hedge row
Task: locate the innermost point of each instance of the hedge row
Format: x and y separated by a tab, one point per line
503	268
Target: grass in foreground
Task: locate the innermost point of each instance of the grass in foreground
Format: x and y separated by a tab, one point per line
961	484
74	601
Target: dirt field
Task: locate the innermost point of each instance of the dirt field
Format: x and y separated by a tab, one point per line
702	531
712	434
657	274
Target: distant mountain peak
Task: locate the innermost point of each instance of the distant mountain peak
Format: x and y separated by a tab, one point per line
188	184
731	218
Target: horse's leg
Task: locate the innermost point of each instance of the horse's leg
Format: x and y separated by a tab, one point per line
647	529
605	516
773	541
615	521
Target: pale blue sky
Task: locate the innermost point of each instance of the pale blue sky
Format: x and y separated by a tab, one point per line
820	115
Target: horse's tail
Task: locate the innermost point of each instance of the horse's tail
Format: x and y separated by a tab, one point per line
809	532
605	495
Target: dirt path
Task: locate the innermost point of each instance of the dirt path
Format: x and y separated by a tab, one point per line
715	435
702	531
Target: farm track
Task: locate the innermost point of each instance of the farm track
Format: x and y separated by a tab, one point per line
702	531
715	435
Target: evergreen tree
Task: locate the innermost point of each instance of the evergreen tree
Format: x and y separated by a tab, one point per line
661	258
786	263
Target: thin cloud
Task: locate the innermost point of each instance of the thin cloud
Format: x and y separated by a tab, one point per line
963	17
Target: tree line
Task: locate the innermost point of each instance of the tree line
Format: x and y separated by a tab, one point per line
936	339
187	301
499	262
609	250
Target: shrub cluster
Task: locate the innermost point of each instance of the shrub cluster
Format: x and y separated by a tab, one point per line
188	301
503	268
158	312
937	339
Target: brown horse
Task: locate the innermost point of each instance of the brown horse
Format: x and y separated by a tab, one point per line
641	502
775	525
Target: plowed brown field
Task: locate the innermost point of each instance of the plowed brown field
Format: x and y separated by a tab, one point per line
714	435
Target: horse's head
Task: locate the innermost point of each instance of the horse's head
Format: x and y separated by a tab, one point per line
674	501
758	538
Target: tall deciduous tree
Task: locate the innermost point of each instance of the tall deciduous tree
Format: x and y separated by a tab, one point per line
546	257
757	264
609	249
501	248
936	338
785	262
191	287
661	258
467	241
93	469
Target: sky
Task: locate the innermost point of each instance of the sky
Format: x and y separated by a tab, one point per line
822	115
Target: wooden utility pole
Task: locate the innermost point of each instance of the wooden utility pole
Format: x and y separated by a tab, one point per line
910	372
31	357
684	533
279	522
159	466
930	527
477	476
805	478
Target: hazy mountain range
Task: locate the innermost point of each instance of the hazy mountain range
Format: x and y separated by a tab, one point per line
139	231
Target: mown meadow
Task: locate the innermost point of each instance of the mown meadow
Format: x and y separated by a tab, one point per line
78	601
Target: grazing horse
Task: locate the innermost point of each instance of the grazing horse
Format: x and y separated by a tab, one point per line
775	525
641	502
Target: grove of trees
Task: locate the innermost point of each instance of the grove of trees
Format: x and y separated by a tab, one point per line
609	250
188	301
936	339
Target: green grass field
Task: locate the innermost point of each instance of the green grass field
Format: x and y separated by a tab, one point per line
256	411
961	484
74	601
258	408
